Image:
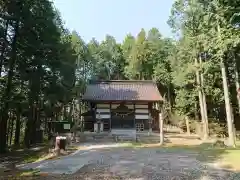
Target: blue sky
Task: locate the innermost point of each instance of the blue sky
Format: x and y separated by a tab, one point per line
96	18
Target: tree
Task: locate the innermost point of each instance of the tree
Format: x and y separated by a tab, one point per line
137	58
37	64
196	21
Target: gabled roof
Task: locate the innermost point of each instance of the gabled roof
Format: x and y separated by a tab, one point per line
122	90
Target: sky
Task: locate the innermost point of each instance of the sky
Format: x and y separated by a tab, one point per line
96	18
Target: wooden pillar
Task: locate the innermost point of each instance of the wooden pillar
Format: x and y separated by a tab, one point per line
94	108
149	124
161	134
151	117
134	109
110	120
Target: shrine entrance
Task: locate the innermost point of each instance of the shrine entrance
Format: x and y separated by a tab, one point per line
122	118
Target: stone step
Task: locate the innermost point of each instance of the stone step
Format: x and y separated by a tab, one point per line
123	131
145	138
149	141
124	137
124	134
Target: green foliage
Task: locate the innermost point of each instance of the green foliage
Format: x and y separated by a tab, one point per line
38	66
196	21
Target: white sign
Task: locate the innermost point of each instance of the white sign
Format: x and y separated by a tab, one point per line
66	126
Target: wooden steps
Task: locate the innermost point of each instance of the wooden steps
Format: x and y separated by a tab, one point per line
124	134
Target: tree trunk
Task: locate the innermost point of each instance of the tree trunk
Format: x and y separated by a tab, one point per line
7	92
237	82
8	127
206	130
161	134
226	97
18	125
28	129
188	126
64	112
18	118
196	115
33	125
29	123
169	96
4	42
56	116
228	107
11	131
37	124
200	96
204	102
70	115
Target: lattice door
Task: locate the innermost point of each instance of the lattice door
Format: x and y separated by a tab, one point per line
139	127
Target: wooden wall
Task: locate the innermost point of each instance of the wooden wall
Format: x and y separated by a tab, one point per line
142	112
105	115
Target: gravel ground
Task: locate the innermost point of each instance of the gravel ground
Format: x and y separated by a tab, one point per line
143	164
150	164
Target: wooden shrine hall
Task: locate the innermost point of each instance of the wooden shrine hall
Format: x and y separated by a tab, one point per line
121	104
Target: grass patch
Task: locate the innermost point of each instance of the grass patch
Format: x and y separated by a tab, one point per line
33	158
29	173
44	155
231	158
226	157
72	148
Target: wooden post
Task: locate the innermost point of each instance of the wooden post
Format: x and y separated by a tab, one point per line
161	128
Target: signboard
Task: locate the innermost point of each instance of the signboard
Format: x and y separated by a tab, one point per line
61	126
66	126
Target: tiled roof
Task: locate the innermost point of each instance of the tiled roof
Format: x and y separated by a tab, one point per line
122	91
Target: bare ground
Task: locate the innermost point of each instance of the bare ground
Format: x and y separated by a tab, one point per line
146	164
185	160
150	163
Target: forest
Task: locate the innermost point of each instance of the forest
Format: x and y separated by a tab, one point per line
44	67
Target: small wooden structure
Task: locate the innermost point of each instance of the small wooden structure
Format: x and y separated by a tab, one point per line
122	105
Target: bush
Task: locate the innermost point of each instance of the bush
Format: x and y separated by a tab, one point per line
217	129
177	120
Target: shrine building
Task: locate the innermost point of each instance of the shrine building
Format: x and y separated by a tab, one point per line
122	105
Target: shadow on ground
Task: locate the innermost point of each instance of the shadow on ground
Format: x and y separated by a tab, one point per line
40	152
